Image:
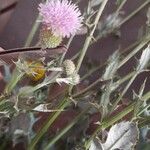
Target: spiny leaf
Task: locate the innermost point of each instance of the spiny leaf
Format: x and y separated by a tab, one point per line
122	136
95	145
112	66
144	60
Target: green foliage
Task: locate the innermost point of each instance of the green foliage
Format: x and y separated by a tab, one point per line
78	116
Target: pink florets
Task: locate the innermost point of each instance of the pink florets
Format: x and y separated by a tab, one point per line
61	16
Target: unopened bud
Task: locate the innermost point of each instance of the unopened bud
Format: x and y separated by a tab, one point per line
48	40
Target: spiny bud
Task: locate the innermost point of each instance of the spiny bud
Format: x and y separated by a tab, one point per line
69	67
49	40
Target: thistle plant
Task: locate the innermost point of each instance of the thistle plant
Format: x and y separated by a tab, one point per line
43	82
61	19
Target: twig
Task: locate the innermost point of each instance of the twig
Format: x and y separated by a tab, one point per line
33	31
135	12
66	129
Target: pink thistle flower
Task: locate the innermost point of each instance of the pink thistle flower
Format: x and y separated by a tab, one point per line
61	16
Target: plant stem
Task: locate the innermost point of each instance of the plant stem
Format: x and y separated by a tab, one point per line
75	56
67	128
124	21
15	78
141	111
135	12
111	120
49	122
135	51
33	31
87	88
102	65
69	41
130	55
146	96
67	46
123	92
119	82
120	6
108	122
89	38
51	119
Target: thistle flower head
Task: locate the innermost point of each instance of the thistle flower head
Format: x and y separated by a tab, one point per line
61	16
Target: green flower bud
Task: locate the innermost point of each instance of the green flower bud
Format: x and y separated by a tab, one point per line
48	40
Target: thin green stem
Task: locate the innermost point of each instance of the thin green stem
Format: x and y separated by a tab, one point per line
67	128
49	122
145	122
145	108
102	65
15	78
134	44
135	12
119	82
89	38
33	31
75	56
110	121
135	51
124	21
87	88
67	46
146	96
69	41
94	69
125	78
121	6
123	92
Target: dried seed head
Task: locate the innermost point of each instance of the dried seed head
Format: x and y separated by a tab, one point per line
75	78
69	67
49	40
